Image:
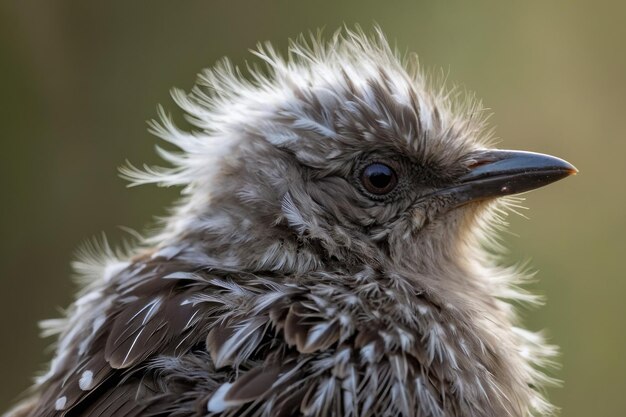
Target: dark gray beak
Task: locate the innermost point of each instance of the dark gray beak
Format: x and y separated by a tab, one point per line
496	173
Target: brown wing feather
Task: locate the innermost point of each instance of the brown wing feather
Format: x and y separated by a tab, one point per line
153	316
253	384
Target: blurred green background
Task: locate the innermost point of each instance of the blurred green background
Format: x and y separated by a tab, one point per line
79	79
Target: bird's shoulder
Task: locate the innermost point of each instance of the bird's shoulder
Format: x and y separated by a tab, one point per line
166	334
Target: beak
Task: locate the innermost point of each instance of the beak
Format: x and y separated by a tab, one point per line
496	173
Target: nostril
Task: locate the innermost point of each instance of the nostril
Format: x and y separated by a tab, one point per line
476	164
479	162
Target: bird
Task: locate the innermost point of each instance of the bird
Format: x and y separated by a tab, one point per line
334	252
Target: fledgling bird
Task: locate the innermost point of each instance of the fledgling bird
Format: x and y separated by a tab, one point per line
330	256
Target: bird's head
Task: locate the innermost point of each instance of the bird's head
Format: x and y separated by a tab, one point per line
343	153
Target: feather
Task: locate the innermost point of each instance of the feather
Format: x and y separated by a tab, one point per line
252	384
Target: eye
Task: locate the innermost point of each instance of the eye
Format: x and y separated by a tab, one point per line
379	179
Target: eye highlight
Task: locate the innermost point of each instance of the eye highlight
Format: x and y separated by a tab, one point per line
379	179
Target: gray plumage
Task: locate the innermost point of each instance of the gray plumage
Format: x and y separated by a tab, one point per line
331	256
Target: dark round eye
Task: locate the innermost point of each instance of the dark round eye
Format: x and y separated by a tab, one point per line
379	178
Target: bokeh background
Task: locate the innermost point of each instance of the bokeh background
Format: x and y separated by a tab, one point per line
79	79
